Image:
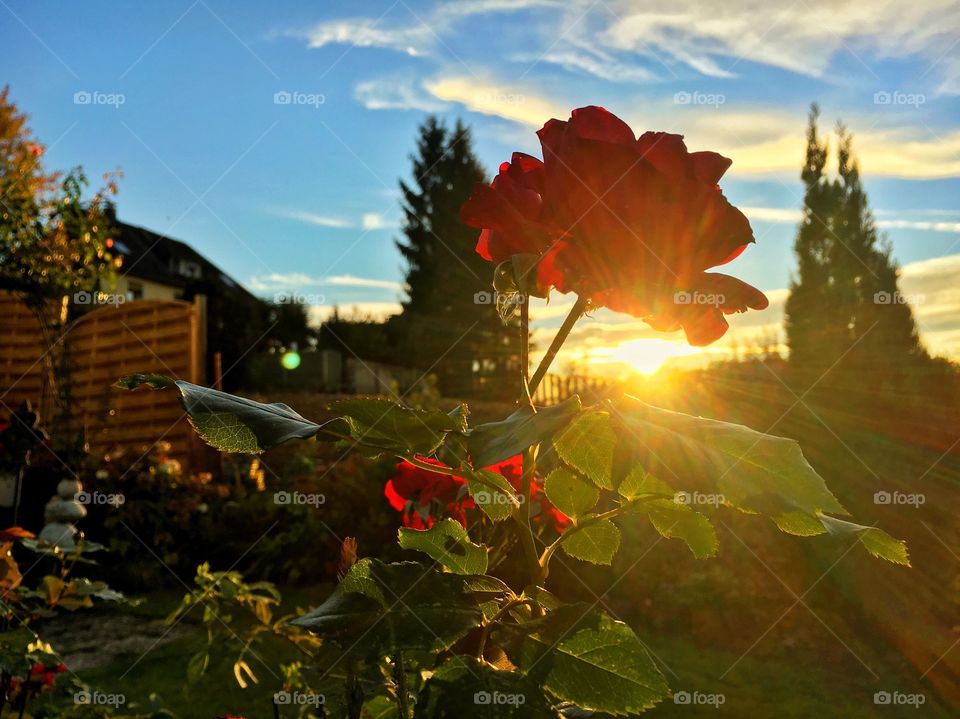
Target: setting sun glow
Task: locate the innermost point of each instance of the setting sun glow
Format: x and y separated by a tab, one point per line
641	355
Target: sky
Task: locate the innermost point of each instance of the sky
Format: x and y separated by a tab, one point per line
271	136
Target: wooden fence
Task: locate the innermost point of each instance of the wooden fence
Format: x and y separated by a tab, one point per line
162	336
555	388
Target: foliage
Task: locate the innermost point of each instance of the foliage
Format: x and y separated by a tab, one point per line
447	308
406	638
845	301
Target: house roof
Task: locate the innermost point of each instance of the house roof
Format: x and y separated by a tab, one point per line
148	255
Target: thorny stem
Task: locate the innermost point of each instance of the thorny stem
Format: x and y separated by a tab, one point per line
579	307
484	635
544	560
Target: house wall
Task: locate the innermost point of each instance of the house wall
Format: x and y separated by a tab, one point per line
151	290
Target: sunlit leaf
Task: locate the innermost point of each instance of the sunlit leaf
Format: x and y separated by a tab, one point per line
231	423
587	444
569	493
877	542
496	441
581	655
447	542
596	542
751	470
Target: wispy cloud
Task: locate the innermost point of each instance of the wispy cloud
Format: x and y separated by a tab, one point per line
396	94
298	280
792	216
367	221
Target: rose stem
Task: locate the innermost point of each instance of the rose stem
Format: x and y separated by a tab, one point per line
579	307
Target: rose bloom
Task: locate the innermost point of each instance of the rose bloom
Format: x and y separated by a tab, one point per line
420	493
629	223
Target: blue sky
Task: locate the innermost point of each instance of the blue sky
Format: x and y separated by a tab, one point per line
303	196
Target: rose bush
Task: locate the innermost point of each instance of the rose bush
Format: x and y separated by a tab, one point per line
629	223
626	223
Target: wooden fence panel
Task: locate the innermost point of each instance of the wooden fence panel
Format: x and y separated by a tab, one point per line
161	336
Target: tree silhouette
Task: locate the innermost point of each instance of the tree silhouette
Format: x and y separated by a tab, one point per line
447	314
845	314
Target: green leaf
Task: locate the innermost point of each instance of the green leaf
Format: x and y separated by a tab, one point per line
496	441
570	494
639	483
498	504
379	608
464	687
753	471
581	655
197	666
379	708
674	520
231	423
596	542
587	445
392	427
447	542
877	542
800	524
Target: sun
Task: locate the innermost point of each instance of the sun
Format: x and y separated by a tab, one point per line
645	356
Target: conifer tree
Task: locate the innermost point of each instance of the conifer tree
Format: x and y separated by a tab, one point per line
448	312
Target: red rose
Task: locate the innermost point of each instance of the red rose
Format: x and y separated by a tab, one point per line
632	224
415	491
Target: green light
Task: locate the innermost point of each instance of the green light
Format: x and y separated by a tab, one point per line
290	360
